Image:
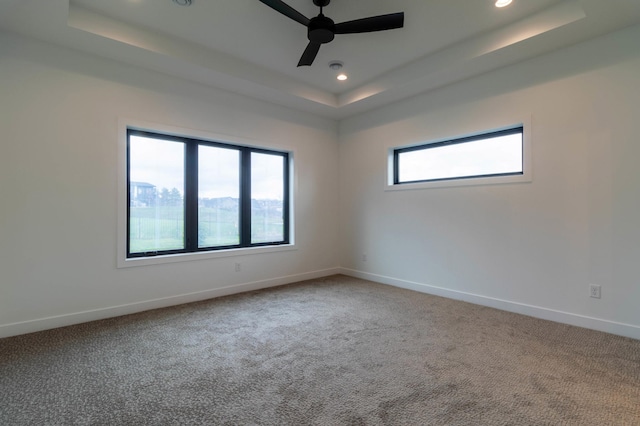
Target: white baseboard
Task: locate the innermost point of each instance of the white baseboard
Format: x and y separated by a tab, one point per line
621	329
40	324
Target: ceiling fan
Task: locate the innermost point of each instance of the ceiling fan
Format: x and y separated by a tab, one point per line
322	30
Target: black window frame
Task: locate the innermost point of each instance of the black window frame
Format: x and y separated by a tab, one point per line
455	141
191	194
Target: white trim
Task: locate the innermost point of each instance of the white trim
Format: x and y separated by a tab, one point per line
204	255
527	161
621	329
40	324
121	227
627	330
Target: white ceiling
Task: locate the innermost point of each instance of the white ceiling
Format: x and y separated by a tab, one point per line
246	47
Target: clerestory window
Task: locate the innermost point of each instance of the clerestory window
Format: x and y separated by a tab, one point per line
494	154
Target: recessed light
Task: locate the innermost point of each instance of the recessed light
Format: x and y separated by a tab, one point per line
342	77
182	2
503	3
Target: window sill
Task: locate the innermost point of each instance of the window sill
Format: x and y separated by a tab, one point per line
495	180
188	257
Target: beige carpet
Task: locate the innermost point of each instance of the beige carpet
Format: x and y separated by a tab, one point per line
333	351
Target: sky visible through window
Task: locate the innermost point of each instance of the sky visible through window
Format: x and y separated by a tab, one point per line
160	162
157	162
498	155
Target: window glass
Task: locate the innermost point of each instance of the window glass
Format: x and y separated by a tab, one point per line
218	196
156	195
267	198
499	153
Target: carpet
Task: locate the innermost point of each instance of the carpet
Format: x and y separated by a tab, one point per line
331	351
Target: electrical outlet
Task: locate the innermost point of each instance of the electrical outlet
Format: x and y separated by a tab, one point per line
594	291
364	257
237	266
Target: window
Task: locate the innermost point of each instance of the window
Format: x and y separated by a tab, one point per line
495	154
187	195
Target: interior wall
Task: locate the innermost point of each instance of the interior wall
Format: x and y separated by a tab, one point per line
535	247
532	248
59	115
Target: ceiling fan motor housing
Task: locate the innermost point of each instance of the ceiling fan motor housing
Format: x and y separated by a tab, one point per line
321	29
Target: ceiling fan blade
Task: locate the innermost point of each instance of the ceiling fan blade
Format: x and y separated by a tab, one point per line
287	11
309	54
374	23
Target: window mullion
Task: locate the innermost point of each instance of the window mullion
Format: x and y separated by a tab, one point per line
285	204
245	197
191	197
396	167
128	193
